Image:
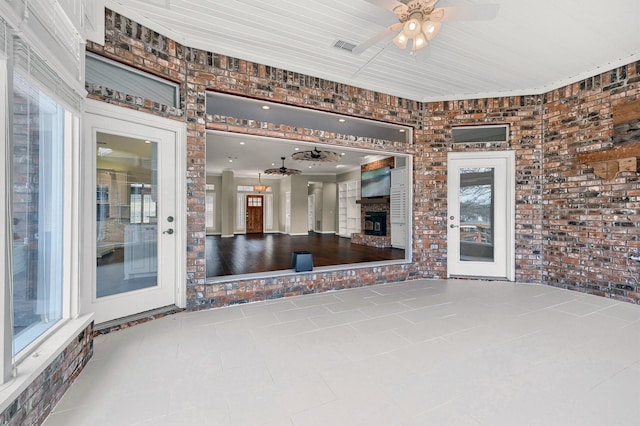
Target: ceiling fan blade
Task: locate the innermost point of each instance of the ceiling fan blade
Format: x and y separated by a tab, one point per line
375	39
386	4
476	12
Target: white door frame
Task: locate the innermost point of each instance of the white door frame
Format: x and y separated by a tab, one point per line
88	173
498	159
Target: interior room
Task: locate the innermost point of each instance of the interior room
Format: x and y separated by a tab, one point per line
308	203
367	212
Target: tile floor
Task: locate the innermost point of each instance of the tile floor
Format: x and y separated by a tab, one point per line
415	353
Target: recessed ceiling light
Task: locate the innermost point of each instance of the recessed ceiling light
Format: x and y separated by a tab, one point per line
297	149
402	130
341	120
147	141
310	166
343	154
266	107
241	143
230	160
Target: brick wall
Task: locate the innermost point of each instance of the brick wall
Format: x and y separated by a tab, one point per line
590	225
559	203
524	115
36	402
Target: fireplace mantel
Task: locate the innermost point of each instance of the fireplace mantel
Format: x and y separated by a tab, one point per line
377	200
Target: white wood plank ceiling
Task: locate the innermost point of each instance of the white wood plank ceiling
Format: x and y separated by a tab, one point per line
530	47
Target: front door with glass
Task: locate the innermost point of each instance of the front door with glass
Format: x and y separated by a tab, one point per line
255	214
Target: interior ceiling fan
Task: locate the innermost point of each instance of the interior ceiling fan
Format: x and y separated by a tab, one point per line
282	170
419	21
316	155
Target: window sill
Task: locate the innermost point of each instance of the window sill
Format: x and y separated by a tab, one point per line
32	366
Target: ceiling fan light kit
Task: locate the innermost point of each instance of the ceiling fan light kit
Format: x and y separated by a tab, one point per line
419	24
430	29
419	21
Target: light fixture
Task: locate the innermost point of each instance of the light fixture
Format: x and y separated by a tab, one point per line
420	24
259	187
317	155
266	107
282	170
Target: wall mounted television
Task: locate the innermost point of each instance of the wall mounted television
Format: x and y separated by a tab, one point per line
376	183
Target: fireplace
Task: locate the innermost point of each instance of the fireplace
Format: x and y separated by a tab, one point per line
375	223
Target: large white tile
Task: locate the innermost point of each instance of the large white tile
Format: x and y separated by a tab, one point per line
339	318
457	352
426	356
258	308
315	299
380	324
303	325
448	414
432	329
381	310
359	347
326	336
625	311
301	313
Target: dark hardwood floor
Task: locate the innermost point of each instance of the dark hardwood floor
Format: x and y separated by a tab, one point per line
251	253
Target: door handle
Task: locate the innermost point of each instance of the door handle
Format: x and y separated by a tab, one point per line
168	231
453	226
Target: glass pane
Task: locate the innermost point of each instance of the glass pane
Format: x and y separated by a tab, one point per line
476	214
37	212
126	206
103	72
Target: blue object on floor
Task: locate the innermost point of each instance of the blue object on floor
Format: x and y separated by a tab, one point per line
302	261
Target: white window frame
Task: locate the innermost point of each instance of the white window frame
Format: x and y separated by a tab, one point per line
210	210
241	220
19	371
268	212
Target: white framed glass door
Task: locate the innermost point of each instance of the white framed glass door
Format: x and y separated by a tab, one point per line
481	214
138	243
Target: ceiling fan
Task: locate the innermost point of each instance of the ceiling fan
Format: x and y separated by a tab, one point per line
419	21
282	170
316	155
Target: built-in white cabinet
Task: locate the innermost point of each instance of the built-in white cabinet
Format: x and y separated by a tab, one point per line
348	208
398	208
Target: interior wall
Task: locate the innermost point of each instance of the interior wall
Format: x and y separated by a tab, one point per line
535	121
299	205
329	213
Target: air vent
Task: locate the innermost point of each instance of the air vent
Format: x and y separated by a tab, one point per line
480	134
344	45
